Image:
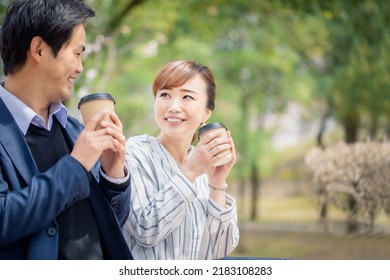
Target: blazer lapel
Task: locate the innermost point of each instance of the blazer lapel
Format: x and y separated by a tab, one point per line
14	143
72	131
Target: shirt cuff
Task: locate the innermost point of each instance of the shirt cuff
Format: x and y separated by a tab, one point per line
223	214
115	183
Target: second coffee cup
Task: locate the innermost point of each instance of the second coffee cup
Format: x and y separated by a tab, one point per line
205	129
94	103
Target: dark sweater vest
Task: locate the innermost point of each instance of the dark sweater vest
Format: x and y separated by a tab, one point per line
78	231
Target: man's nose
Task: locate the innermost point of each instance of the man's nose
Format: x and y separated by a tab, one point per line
80	67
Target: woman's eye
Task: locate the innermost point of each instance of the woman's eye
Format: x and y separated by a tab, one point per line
163	94
188	97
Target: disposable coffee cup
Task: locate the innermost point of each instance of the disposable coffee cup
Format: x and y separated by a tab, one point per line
205	129
94	103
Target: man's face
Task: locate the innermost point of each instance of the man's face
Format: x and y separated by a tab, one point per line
59	73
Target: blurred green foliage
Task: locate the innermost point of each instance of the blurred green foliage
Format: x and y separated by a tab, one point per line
329	57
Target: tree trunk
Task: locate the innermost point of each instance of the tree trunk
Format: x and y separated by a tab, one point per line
374	126
255	187
322	127
351	125
352	223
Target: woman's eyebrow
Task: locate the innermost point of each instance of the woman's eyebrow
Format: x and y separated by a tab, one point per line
188	90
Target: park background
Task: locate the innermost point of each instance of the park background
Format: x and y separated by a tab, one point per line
295	80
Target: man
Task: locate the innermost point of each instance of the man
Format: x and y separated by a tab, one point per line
63	187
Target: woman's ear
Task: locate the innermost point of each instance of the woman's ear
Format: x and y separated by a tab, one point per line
207	115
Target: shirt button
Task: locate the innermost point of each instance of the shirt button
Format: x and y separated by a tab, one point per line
52	231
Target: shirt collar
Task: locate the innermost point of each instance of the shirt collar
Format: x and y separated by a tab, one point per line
24	115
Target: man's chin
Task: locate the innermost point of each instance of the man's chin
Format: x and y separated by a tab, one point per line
65	96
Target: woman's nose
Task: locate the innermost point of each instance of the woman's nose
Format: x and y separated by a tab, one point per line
175	105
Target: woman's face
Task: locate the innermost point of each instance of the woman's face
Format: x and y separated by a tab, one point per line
179	111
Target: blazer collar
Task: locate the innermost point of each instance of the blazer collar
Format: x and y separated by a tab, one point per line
14	143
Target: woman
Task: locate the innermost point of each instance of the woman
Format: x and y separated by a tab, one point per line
179	205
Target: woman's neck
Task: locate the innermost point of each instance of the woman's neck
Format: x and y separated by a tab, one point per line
176	147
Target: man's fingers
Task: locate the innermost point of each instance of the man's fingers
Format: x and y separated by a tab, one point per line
96	119
115	119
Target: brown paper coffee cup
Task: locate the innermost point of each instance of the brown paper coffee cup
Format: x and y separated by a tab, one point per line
94	103
205	129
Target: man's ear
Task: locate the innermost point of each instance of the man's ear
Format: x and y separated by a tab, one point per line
36	47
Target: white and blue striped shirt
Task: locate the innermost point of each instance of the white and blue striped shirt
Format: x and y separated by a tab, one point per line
172	218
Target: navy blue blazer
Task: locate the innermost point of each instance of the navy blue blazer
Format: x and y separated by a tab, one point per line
30	201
